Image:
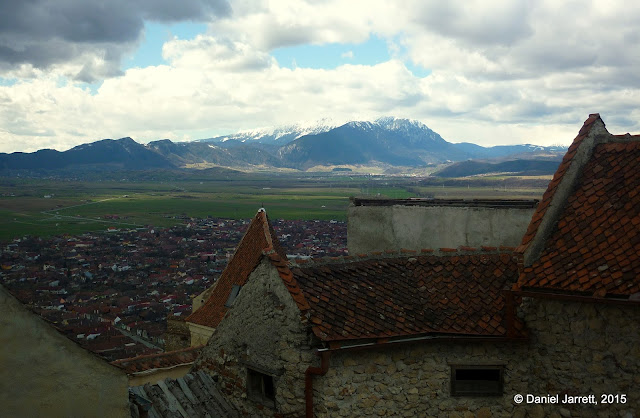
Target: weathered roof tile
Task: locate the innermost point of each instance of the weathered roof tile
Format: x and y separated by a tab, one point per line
399	296
593	248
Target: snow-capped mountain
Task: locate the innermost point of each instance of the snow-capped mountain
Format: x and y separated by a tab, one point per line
386	141
278	135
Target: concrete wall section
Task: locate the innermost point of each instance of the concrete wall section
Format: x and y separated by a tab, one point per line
43	373
379	228
263	331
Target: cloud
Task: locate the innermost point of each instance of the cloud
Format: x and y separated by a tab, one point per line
500	72
86	39
347	55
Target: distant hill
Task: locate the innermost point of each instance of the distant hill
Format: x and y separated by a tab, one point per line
518	167
108	154
387	141
477	152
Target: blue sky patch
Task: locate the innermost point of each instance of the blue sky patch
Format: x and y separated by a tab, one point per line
8	82
328	56
156	34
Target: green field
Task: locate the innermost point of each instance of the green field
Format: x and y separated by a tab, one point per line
78	206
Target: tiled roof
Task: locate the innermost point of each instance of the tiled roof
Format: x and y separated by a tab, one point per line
555	182
158	360
459	294
194	395
260	238
594	248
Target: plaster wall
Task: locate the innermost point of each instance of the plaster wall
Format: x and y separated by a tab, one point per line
575	349
263	331
379	228
199	334
43	373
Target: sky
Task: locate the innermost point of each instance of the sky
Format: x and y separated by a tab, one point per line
489	72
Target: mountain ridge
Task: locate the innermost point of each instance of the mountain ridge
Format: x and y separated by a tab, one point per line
388	140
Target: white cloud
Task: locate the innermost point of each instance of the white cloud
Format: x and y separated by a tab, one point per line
347	55
502	72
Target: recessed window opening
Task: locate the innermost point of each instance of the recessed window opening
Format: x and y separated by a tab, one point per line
233	295
261	387
476	380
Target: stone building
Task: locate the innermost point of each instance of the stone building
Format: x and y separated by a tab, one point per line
396	224
44	374
454	331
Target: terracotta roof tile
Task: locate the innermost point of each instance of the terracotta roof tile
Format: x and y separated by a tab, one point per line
259	239
381	298
593	249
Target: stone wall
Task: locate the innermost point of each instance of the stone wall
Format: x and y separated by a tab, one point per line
575	349
43	373
379	228
177	336
265	332
582	349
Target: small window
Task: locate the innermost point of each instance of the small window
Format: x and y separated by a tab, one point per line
233	295
476	380
260	387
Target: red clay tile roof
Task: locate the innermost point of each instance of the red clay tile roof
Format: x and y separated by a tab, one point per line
259	239
158	360
553	185
594	249
390	297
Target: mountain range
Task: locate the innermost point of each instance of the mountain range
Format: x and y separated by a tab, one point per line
386	141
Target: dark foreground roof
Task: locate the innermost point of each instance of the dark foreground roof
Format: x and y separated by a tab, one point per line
194	395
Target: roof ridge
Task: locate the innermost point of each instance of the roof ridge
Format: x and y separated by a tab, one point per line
259	239
262	215
559	188
403	253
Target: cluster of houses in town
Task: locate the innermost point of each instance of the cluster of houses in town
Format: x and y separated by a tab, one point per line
112	292
548	327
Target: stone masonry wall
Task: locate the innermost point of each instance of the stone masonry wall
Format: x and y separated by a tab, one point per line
177	336
264	331
413	380
582	349
575	349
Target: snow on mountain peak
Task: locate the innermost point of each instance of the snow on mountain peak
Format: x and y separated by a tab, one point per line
286	133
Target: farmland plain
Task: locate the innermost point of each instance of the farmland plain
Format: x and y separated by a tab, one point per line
44	207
